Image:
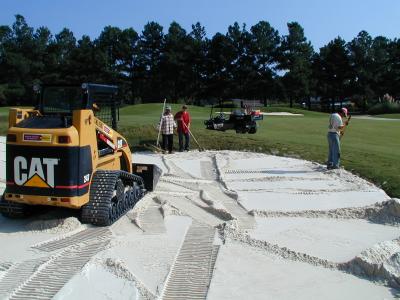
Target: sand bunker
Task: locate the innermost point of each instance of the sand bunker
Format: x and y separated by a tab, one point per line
220	225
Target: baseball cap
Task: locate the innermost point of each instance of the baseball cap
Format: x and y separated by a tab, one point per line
184	106
168	107
345	111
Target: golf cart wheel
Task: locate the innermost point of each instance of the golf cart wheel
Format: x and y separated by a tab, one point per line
253	130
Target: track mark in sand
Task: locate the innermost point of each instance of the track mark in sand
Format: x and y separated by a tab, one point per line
173	179
54	274
84	236
18	274
274	179
208	170
216	191
191	273
266	171
151	220
244	219
174	170
175	194
246	172
213	260
188	207
5	266
190	186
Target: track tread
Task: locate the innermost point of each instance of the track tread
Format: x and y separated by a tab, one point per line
14	210
191	274
47	281
101	210
82	237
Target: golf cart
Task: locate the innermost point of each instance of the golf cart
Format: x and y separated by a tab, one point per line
241	118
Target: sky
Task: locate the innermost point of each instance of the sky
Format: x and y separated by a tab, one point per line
322	20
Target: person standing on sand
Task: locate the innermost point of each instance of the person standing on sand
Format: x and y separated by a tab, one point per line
183	119
334	131
167	124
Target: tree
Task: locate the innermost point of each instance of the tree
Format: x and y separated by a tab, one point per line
296	59
385	66
240	63
109	43
265	41
175	64
219	58
61	49
129	53
17	61
83	62
151	45
334	70
241	67
197	56
360	57
42	40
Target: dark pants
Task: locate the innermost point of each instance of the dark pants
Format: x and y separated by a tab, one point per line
181	134
167	142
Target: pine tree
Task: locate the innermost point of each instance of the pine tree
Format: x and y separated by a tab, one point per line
296	59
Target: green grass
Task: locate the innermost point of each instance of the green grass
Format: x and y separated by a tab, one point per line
389	116
4	111
369	148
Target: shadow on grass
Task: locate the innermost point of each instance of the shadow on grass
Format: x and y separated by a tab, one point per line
144	145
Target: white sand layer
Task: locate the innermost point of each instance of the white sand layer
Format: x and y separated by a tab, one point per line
273	201
95	282
287	243
149	257
245	273
336	240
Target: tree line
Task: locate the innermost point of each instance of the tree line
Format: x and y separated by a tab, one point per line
254	63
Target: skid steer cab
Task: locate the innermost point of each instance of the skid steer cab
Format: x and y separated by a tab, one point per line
67	152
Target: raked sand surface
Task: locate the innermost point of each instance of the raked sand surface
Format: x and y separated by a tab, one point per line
220	225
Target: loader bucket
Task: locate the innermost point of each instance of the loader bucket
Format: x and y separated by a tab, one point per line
149	172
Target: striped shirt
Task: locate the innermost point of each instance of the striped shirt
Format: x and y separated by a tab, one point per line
167	124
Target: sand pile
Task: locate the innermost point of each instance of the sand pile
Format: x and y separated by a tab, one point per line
54	225
382	261
386	212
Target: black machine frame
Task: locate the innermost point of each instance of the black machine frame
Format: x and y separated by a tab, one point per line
102	99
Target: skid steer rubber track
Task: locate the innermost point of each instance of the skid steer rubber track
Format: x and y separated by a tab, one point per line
15	210
112	194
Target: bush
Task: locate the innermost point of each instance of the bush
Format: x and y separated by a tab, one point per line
384	108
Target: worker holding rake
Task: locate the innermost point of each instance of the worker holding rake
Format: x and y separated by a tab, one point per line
335	130
167	126
183	119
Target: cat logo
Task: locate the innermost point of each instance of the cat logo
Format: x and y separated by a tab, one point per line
86	178
33	175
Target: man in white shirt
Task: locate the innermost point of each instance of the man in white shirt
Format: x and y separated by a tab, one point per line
168	125
334	131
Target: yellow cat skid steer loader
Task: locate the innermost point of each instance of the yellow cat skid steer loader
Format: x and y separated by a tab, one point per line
63	153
